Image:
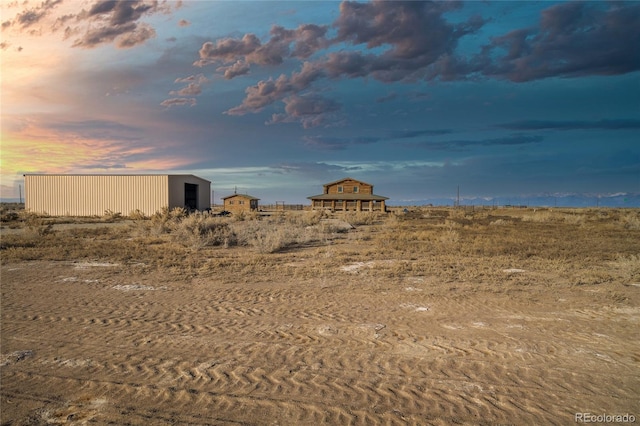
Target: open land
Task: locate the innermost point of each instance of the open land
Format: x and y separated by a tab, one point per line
431	317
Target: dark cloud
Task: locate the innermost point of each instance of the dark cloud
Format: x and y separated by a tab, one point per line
572	39
407	134
336	143
138	36
299	43
118	12
316	170
183	23
105	21
389	97
416	31
463	145
35	15
117	20
409	41
572	125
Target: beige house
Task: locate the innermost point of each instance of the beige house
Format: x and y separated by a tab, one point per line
237	203
93	195
348	194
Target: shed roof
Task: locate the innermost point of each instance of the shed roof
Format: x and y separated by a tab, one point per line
245	196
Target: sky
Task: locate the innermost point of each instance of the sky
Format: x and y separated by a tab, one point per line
507	102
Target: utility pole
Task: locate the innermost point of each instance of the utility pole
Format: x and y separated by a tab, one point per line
458	197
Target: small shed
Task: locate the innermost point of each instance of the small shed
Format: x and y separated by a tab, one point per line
237	203
93	195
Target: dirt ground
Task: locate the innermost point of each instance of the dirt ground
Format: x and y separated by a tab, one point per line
331	333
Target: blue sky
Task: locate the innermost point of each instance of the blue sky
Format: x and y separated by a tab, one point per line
507	100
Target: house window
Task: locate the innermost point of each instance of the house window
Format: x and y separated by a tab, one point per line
355	189
231	201
340	189
241	202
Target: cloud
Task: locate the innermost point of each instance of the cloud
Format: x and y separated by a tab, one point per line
299	43
572	125
415	31
269	91
192	89
407	134
178	102
183	23
336	143
238	68
462	145
105	21
572	39
199	78
415	41
36	14
310	111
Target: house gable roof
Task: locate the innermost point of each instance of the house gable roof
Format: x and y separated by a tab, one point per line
345	179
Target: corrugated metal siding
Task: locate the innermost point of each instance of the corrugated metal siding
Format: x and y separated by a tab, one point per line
92	195
176	191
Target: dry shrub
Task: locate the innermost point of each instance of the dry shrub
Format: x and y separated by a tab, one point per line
575	219
199	230
631	220
8	215
111	216
499	222
35	225
628	267
306	218
137	215
539	217
164	220
358	218
271	235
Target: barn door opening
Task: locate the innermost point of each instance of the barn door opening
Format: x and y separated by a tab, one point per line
191	196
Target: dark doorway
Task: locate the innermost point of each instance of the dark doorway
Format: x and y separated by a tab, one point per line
191	196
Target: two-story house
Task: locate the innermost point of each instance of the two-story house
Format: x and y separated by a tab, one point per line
348	194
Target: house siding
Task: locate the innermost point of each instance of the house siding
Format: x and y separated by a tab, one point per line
239	203
348	187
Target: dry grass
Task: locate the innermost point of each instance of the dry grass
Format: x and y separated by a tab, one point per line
572	246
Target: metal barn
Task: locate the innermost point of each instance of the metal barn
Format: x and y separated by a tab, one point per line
93	195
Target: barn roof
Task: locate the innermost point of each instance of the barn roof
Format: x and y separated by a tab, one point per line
115	174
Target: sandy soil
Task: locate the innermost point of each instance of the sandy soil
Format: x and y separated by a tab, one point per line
106	343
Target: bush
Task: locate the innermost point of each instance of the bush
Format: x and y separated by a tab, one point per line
200	229
110	216
137	215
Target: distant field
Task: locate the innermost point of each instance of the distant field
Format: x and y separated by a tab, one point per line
434	316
